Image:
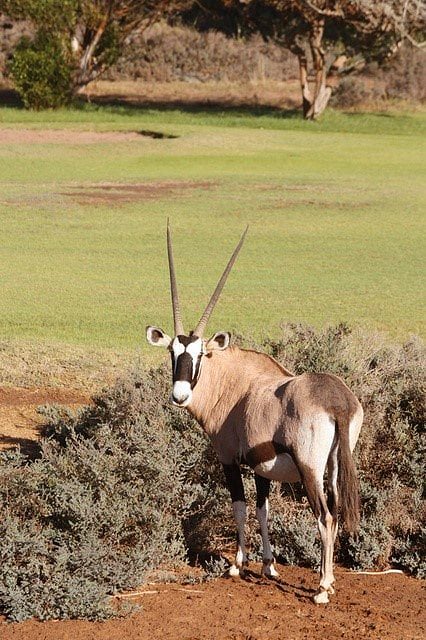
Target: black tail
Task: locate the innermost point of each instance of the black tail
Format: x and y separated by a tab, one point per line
347	480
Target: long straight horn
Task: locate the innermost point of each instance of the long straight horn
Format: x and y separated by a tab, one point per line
200	328
173	286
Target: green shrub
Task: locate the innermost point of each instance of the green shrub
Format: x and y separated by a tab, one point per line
130	485
114	494
42	72
371	547
294	536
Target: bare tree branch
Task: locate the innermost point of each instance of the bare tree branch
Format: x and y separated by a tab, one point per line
330	13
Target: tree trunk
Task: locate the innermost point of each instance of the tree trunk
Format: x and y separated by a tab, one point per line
306	92
322	92
300	52
86	71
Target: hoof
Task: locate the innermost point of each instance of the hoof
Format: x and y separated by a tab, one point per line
234	571
268	569
321	596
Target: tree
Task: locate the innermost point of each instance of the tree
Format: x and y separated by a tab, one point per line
92	33
333	37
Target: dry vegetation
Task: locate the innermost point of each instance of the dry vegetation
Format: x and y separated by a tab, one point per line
45	364
178	64
164	54
209	94
130	484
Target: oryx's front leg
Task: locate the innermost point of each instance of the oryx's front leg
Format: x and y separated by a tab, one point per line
262	513
234	483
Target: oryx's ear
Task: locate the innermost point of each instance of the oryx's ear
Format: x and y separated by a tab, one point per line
219	341
157	337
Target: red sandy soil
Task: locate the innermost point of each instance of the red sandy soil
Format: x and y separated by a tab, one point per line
19	420
373	607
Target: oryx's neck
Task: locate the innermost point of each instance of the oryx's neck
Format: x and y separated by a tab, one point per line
225	380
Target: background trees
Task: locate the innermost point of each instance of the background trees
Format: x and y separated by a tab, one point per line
77	40
351	32
329	37
81	38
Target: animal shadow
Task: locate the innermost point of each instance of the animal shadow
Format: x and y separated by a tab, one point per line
301	592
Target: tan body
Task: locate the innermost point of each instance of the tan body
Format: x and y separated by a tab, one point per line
244	399
287	428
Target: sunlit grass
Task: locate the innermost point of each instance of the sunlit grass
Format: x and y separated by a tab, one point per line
125	116
335	213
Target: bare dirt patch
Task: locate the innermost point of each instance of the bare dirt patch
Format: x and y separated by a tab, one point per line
19	420
373	607
196	95
284	202
66	136
115	193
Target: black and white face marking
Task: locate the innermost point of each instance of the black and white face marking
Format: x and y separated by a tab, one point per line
186	352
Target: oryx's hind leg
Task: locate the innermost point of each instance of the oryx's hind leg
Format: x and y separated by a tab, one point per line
262	512
332	490
327	526
234	483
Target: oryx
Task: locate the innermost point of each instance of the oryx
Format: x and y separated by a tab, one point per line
287	428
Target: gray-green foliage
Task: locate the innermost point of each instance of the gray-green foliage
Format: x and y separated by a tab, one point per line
107	501
294	535
130	485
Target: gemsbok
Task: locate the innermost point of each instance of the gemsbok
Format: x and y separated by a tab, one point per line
285	427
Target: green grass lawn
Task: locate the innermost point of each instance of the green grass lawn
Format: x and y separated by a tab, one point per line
335	212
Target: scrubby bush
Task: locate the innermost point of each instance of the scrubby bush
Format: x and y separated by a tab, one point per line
130	484
42	70
405	75
165	54
293	533
110	498
357	90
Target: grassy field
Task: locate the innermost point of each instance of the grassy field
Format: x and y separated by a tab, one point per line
335	213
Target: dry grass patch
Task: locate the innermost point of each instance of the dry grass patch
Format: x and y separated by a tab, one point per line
279	95
55	365
66	136
20	420
37	374
114	193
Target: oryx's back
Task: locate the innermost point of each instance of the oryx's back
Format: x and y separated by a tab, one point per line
314	398
317	391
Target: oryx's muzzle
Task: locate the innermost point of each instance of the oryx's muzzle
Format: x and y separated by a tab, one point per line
181	394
